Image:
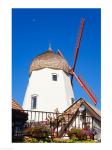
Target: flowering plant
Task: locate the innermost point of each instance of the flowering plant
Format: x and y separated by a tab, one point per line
81	134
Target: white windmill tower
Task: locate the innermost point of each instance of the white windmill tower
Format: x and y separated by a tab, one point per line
49	84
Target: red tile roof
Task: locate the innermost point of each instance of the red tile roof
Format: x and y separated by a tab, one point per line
15	105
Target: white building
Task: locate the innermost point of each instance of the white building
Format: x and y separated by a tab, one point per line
84	115
49	84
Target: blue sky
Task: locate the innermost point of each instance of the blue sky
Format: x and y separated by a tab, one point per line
34	29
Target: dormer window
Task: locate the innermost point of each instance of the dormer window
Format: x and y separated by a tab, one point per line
33	102
54	77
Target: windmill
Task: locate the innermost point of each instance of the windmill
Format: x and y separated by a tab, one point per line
72	69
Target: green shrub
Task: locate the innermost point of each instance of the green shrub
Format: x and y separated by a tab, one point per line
40	132
59	140
73	140
30	140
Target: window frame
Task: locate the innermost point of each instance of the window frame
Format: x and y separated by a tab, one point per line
72	100
33	103
53	78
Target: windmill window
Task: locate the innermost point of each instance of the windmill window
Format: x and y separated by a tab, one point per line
54	77
72	100
33	102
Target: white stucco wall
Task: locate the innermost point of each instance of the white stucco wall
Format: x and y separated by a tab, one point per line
68	89
50	94
97	126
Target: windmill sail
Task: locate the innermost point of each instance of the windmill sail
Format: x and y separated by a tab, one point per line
77	47
82	84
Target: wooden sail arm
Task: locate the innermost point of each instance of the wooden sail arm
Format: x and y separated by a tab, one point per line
82	84
77	47
78	44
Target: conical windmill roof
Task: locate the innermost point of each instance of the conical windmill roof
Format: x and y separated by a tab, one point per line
49	59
